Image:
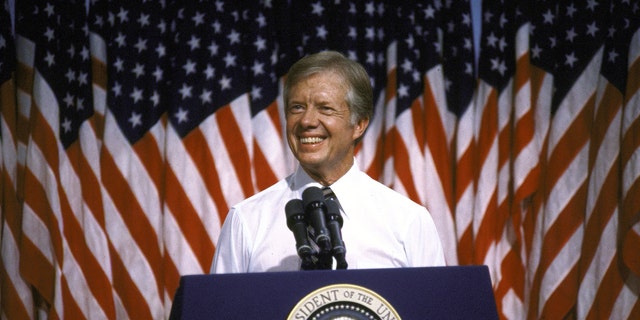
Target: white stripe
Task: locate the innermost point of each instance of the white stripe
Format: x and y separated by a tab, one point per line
274	148
132	257
575	100
560	267
11	259
627	299
178	249
566	187
439	209
134	172
229	182
604	256
190	180
404	125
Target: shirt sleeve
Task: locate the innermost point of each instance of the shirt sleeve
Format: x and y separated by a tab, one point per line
230	256
423	247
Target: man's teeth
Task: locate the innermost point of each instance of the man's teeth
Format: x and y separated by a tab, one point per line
311	140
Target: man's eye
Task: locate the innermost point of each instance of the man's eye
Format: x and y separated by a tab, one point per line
296	108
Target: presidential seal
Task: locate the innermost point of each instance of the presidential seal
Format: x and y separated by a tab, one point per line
343	301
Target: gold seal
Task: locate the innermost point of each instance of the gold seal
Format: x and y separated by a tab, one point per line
343	301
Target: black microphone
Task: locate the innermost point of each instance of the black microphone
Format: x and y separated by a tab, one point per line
297	224
334	222
313	201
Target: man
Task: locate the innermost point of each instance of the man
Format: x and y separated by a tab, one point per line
328	106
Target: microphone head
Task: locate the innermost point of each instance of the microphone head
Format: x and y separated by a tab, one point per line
333	210
294	211
312	195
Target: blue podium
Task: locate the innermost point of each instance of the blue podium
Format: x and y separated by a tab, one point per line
456	292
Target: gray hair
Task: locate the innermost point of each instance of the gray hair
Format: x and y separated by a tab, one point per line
359	95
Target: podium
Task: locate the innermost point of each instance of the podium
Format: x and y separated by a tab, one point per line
456	292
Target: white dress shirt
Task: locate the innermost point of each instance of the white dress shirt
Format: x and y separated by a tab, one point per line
382	228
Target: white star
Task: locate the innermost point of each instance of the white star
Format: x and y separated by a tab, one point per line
158	74
143	20
83	78
612	56
119	64
189	67
141	45
209	72
592	29
571	59
135	119
121	40
70	75
161	50
181	115
68	99
50	59
66	125
407	65
225	83
548	17
234	37
49	34
403	91
155	98
492	40
370	33
317	8
205	97
257	68
261	20
213	49
138	70
136	95
117	89
185	91
194	42
571	34
260	44
498	65
321	32
256	93
123	15
198	19
230	60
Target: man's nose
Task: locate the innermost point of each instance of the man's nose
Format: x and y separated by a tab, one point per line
310	117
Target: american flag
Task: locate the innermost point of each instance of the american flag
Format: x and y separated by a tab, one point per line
129	128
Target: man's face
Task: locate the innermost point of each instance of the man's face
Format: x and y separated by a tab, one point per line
319	130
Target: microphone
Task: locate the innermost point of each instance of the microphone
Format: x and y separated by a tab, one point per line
334	222
297	224
313	201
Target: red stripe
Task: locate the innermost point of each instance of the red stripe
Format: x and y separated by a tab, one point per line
131	297
206	165
71	310
34	266
131	213
11	304
191	226
402	165
231	133
436	139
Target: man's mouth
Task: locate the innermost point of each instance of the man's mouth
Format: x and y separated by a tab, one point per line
311	140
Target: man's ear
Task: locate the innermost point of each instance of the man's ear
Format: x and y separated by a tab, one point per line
360	128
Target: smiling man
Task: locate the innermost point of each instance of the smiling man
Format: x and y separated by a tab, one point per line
328	106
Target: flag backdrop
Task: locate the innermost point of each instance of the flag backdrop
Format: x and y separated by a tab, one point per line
128	129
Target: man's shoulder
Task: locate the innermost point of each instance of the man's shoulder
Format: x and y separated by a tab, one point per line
269	194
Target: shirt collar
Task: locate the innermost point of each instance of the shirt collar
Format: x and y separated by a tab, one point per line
301	181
